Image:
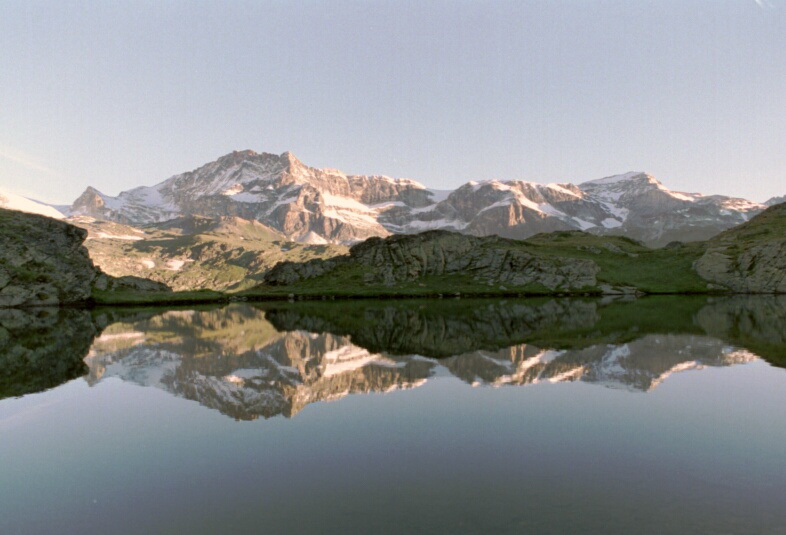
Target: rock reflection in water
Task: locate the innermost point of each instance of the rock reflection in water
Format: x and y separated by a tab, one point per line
41	348
250	361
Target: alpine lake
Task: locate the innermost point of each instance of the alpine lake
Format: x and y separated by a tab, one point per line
553	415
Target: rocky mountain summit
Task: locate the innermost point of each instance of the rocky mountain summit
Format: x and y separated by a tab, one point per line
644	209
314	205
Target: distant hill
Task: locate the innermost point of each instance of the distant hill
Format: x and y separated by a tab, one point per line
193	252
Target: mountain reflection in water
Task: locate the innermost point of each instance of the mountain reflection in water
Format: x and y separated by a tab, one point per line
593	453
250	361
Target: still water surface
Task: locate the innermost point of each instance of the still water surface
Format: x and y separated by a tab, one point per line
495	416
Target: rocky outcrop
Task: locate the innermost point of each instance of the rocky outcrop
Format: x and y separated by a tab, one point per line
43	262
129	283
406	258
750	258
758	269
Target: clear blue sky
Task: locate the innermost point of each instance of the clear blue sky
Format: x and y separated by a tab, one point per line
119	94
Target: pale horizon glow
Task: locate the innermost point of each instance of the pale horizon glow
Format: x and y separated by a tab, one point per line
121	94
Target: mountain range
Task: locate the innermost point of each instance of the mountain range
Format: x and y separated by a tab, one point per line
310	205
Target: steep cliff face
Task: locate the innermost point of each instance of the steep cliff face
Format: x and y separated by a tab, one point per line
750	258
406	258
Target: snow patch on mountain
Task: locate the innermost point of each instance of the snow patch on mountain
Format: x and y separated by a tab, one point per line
615	179
328	206
312	238
12	201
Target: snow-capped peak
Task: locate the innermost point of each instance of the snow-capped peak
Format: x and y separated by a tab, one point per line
615	179
316	205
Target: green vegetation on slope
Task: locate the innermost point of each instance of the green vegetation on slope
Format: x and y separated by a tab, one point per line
233	255
624	265
625	262
750	258
194	253
768	226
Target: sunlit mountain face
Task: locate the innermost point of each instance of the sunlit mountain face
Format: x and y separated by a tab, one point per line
317	206
249	362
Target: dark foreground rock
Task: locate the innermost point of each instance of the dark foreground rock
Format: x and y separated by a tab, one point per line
43	262
750	258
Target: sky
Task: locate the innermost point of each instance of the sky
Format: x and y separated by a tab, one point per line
121	94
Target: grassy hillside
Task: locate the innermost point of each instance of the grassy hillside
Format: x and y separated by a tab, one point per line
234	255
625	262
768	226
624	265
